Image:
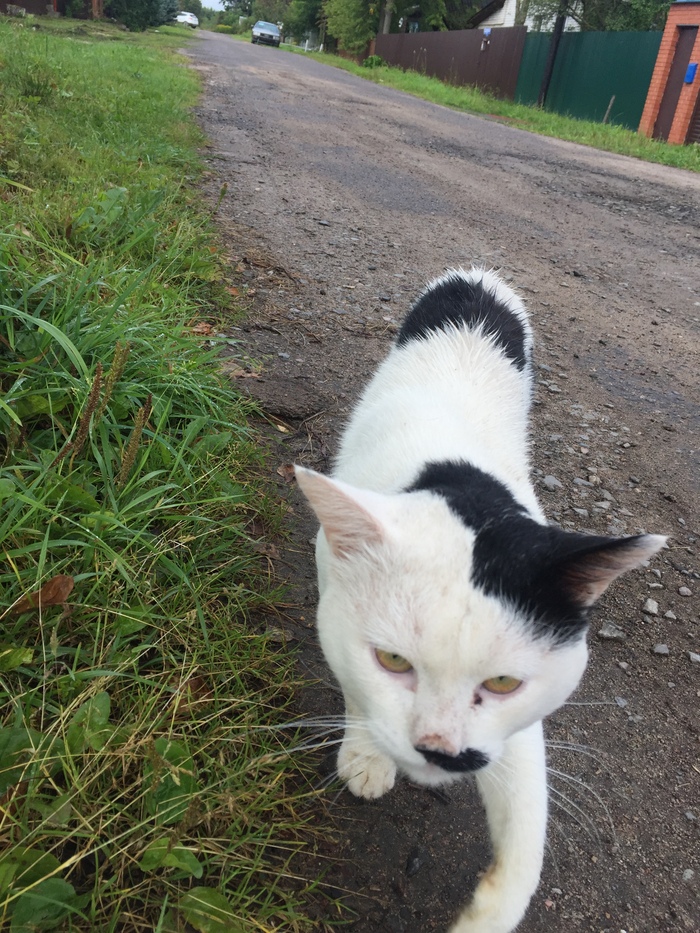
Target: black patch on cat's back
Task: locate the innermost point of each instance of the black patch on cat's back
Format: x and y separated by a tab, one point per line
515	558
454	300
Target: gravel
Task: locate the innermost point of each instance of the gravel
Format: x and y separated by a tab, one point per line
407	189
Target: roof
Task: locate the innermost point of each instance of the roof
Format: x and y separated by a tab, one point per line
492	6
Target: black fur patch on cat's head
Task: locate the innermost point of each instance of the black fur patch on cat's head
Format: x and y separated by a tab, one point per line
458	301
539	569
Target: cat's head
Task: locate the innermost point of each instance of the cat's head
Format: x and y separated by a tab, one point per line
449	638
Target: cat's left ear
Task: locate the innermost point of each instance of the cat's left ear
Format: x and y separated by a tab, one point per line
590	570
350	517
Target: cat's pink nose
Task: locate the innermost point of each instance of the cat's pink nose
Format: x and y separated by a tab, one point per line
436	743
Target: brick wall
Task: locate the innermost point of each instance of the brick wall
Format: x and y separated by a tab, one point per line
680	14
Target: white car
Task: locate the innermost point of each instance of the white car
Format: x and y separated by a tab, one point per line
267	33
189	18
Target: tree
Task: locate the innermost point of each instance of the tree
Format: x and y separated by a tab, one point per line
522	8
352	22
302	17
271	11
387	13
168	10
606	15
239	7
135	14
192	6
640	15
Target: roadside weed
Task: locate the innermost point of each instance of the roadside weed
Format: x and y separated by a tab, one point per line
142	773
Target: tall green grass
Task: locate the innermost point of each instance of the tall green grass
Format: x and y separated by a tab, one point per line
142	781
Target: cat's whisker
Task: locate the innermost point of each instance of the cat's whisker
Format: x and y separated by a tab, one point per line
325	782
575	747
312	722
314	745
441	583
558	799
551	851
590	703
586	789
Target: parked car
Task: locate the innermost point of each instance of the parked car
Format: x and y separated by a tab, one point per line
266	33
189	18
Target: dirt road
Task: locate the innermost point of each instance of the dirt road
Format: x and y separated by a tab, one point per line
343	199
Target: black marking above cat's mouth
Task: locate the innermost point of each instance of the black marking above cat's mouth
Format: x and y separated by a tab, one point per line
469	760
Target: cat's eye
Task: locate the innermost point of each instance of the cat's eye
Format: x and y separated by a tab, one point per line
393	662
501	685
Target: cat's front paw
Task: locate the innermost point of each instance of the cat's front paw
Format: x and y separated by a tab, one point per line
497	907
368	774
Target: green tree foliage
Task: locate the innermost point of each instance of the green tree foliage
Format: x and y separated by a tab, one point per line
272	11
605	15
448	14
640	14
193	6
140	14
352	22
302	17
239	7
168	10
135	14
438	14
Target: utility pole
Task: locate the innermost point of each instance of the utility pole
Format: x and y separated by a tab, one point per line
552	54
386	17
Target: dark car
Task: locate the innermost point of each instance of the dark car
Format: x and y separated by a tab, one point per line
266	33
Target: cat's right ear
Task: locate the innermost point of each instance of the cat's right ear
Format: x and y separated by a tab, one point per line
349	516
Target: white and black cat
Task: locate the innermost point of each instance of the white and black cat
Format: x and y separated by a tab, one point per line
453	616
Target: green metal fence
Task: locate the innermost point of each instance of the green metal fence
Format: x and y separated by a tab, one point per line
590	68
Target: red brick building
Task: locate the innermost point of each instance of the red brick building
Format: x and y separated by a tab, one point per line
672	109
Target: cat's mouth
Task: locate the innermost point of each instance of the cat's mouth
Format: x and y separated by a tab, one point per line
471	759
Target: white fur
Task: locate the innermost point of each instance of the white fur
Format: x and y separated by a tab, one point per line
394	574
456	397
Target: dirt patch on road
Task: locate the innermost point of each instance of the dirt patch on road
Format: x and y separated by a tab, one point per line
334	220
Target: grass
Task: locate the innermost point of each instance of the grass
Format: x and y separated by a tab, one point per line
533	119
143	780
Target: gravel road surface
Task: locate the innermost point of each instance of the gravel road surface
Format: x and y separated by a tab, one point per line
343	199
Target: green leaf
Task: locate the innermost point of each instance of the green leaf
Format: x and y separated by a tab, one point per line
31	406
89	728
7	488
125	626
160	854
215	443
209	911
27	755
71	494
7	873
64	341
29	865
173	783
12	658
57	811
44	907
16	746
6	408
